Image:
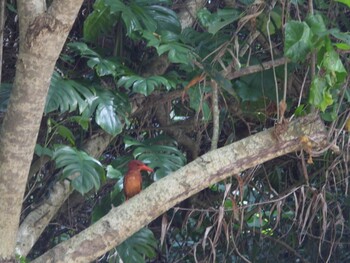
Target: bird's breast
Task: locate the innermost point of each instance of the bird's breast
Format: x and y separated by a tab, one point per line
132	185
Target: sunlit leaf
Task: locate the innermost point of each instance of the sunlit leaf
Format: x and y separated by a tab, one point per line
345	2
319	94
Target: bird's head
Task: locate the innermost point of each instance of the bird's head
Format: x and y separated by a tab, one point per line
139	166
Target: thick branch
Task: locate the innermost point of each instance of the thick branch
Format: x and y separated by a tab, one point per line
256	68
123	221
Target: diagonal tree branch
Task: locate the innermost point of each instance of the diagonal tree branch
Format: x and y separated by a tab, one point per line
121	222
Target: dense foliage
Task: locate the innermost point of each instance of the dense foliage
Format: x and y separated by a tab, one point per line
129	69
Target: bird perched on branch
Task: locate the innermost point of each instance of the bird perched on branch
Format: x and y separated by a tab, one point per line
133	179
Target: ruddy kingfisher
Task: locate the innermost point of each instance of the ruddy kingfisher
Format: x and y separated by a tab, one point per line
133	179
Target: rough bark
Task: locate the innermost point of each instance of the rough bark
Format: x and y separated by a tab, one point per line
188	12
42	36
2	27
123	221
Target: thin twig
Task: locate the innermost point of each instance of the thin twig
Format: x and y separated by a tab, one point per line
216	113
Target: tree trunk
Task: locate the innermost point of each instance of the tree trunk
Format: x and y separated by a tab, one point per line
42	36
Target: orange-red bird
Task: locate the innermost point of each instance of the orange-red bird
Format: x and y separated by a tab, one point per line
133	179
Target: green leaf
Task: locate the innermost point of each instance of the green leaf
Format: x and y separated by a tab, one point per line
82	49
332	63
167	20
345	37
67	95
40	151
113	173
82	121
178	53
345	2
300	111
256	86
73	162
103	67
100	22
342	46
66	134
101	208
106	116
216	21
298	38
196	95
317	25
140	245
275	21
153	40
223	83
143	85
320	96
160	152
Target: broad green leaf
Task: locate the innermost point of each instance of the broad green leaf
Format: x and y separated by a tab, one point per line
145	19
343	36
317	25
320	96
167	20
159	152
256	86
178	53
129	18
78	163
153	40
107	119
102	66
275	22
223	83
342	46
196	95
66	134
106	116
83	49
143	85
332	63
331	113
129	142
40	150
216	21
67	95
345	2
298	38
140	245
82	121
113	173
101	208
300	111
99	22
145	16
